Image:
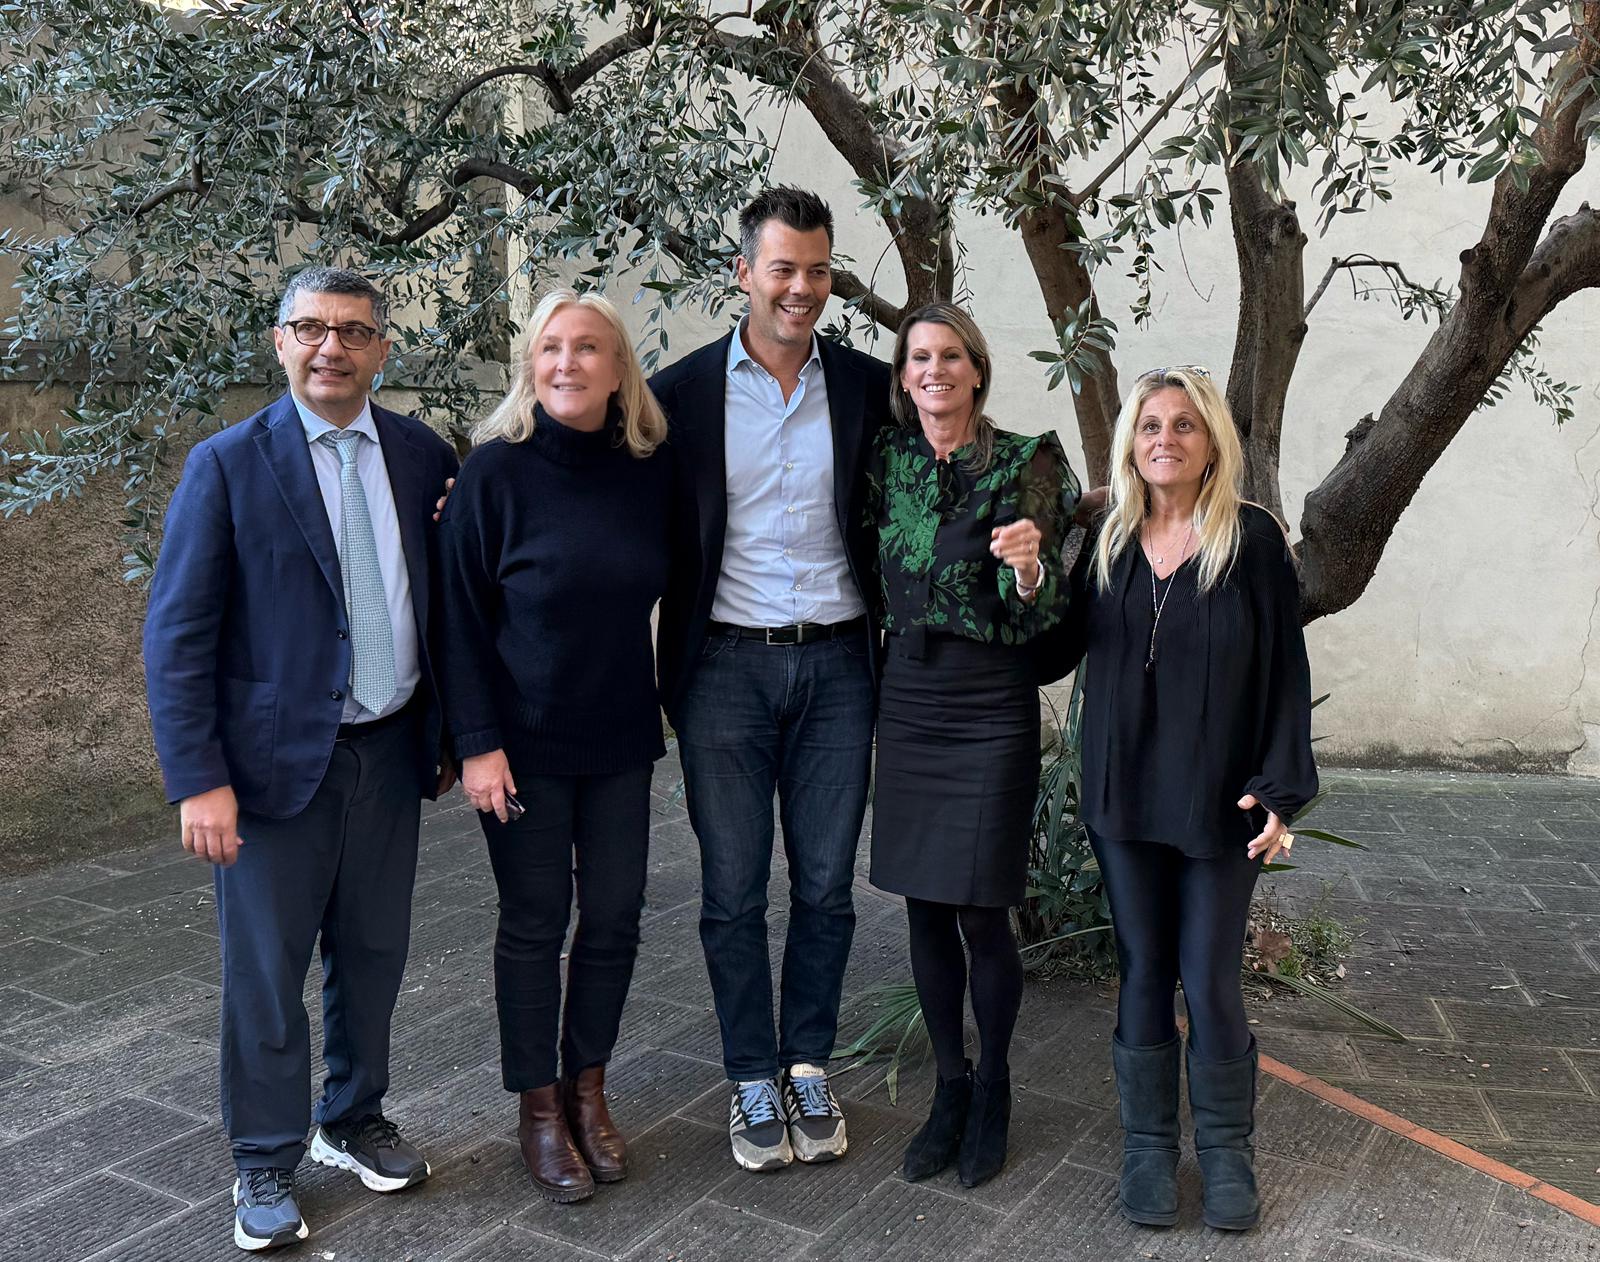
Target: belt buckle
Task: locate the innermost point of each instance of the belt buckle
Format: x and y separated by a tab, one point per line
783	636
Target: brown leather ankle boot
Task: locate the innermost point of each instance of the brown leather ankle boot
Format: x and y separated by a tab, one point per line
556	1166
593	1131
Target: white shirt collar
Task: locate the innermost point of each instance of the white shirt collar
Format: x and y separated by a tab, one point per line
316	427
737	354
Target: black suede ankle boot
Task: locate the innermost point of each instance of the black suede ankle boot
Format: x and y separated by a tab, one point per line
1147	1085
983	1146
1222	1097
935	1146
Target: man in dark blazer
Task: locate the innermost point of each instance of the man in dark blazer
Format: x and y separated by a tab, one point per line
291	692
766	653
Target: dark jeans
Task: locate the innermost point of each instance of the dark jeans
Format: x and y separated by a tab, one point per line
605	822
796	719
343	869
1179	918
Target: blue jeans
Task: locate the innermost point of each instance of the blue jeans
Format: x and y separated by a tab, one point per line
796	719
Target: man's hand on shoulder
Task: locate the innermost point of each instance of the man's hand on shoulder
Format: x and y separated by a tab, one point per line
210	823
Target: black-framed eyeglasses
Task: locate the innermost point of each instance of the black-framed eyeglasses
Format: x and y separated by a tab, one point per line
1198	370
353	337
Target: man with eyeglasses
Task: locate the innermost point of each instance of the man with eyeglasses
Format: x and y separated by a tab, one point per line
292	696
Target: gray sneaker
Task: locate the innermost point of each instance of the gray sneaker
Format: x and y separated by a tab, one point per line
816	1122
757	1126
265	1213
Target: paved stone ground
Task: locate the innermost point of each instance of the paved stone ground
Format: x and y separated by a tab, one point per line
1482	919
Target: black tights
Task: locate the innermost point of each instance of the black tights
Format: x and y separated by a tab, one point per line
1177	917
939	965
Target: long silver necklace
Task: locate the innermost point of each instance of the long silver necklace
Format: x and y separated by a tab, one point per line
1156	606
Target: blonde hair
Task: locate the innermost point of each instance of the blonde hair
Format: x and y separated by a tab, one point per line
644	425
1216	512
977	348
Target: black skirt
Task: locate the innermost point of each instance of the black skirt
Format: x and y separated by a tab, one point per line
957	772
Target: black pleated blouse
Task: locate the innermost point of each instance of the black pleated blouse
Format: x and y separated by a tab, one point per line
1169	747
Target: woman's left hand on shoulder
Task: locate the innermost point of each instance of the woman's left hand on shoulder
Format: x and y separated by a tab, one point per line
1271	839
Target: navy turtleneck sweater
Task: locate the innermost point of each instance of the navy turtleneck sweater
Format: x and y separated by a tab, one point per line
554	554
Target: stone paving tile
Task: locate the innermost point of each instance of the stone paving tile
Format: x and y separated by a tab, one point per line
124	966
1500	897
1507	1241
18	1007
513	1244
1569	1166
195	1165
1545	925
1296	1125
1531	1115
1560	990
57	1155
813	1198
1325	1055
1433	1206
44	919
1537	874
14	891
464	1196
1513	1205
907	1221
195	910
121	1067
710	1232
182	875
1588	1065
24	960
1478	1065
11	1066
1516	953
1461	1113
177	1004
646	1086
674	1165
194	1088
84	1218
1579	899
1546	1026
1415	1016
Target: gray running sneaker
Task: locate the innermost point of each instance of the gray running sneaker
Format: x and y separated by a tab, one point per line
757	1126
816	1122
265	1213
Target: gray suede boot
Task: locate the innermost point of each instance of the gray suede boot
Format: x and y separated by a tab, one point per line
1222	1097
1147	1084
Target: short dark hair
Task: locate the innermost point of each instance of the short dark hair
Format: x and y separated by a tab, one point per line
334	280
796	208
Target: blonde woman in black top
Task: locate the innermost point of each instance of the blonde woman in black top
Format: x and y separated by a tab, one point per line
1196	755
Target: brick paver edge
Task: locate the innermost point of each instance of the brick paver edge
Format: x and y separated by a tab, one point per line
1312	1085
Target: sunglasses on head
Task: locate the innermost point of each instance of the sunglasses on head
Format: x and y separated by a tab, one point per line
1196	370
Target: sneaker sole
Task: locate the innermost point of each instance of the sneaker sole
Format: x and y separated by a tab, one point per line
815	1151
326	1154
761	1160
253	1244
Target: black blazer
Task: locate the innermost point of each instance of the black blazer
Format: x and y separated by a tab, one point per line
693	392
246	642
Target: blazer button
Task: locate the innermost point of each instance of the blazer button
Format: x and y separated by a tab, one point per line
342	634
336	695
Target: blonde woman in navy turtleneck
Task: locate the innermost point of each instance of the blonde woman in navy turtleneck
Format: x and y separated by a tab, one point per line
554	550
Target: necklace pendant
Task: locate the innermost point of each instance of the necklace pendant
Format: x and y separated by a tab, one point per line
1161	560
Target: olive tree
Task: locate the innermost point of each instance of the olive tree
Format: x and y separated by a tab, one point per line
184	158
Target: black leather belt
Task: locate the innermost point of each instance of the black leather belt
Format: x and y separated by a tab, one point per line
349	731
794	633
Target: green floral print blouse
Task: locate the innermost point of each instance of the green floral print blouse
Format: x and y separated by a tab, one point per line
934	520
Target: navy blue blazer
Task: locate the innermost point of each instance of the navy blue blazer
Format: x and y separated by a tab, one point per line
694	394
246	642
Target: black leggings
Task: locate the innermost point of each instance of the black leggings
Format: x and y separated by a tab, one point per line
939	965
1176	917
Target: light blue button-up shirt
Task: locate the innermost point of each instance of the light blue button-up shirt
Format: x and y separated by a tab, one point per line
385	529
783	557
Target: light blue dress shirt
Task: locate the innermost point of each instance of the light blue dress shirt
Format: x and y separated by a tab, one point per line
385	529
783	557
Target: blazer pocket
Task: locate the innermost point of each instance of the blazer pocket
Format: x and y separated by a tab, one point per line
247	724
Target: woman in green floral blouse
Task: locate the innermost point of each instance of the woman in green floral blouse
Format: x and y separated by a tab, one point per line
970	522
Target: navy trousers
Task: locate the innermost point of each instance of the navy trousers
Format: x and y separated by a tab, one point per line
795	719
343	869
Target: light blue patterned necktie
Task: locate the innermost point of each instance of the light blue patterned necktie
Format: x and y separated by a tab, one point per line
371	634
